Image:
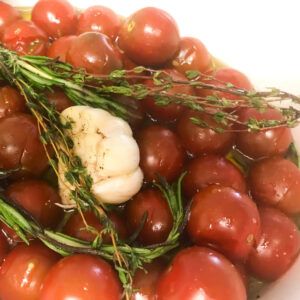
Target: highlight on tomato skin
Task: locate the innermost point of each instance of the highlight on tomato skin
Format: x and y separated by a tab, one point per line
8	15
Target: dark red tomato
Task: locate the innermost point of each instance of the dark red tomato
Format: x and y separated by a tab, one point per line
145	280
212	169
149	37
224	76
99	19
60	47
192	55
198	140
4	247
58	99
23	271
38	198
161	153
226	219
200	273
159	219
83	277
75	226
25	37
8	15
169	112
20	145
11	101
56	17
10	235
95	52
275	181
264	143
241	268
277	248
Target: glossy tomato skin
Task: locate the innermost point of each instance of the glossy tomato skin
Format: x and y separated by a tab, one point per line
192	56
20	145
161	153
99	19
170	112
11	101
23	271
226	219
83	277
277	248
275	181
149	37
25	37
60	47
4	247
159	220
58	99
212	169
95	52
56	17
265	143
200	272
8	15
198	140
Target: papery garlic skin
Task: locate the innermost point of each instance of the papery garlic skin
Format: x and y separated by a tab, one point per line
108	152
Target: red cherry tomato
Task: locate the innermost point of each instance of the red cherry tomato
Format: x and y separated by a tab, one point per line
149	37
83	277
277	248
192	55
200	273
276	181
168	112
8	15
198	140
4	247
212	169
38	198
56	17
99	19
159	219
75	226
25	37
11	101
264	143
94	52
23	271
225	219
161	153
60	47
58	99
20	145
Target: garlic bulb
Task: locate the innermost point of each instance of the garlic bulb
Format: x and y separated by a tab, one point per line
107	151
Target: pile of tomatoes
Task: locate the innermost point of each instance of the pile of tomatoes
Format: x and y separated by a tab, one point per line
239	224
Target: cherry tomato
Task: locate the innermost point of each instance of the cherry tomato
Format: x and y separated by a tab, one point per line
20	145
149	37
226	219
83	277
58	99
23	271
276	181
159	221
11	101
56	17
145	280
38	198
264	143
95	52
161	153
99	19
25	37
212	169
168	112
192	55
60	47
198	140
4	247
277	248
200	273
8	15
75	226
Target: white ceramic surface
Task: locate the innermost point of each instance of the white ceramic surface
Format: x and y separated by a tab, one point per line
258	37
